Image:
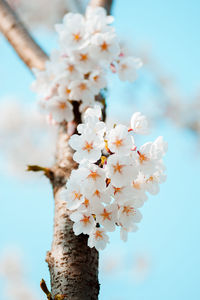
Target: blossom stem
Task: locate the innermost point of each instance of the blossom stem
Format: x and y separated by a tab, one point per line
107	4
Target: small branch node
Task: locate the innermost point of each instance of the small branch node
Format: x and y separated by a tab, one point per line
45	289
47	172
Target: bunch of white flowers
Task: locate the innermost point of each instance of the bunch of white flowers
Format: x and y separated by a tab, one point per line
113	176
88	49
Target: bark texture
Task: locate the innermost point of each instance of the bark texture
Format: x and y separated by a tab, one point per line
107	4
73	265
18	36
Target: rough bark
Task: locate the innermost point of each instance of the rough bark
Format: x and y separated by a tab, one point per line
73	265
18	36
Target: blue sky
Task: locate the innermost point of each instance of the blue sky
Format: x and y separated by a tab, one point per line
169	231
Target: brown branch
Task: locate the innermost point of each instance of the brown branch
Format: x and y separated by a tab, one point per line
107	4
18	36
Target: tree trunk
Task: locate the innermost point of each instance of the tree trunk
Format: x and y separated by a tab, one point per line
73	265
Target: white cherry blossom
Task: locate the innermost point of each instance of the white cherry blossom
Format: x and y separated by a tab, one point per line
119	140
98	239
72	194
83	222
81	90
98	79
107	216
127	68
60	109
124	231
139	123
72	31
88	147
83	60
153	181
120	170
105	46
128	214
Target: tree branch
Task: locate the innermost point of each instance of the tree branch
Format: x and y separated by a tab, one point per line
107	4
20	39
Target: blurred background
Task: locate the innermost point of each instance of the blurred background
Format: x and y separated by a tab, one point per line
161	260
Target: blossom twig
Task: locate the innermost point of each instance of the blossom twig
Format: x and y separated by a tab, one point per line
18	36
104	3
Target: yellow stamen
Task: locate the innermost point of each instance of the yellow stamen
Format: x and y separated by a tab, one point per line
77	37
150	179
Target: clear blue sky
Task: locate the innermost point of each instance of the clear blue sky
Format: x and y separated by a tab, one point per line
169	231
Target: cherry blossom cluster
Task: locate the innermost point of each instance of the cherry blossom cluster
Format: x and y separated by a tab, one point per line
88	49
113	176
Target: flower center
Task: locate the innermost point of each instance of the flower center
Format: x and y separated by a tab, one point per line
83	86
77	195
85	220
96	78
93	175
106	215
77	37
97	193
70	68
118	168
128	210
98	235
136	185
124	67
104	46
83	57
62	105
142	157
67	91
118	143
86	202
88	147
117	190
